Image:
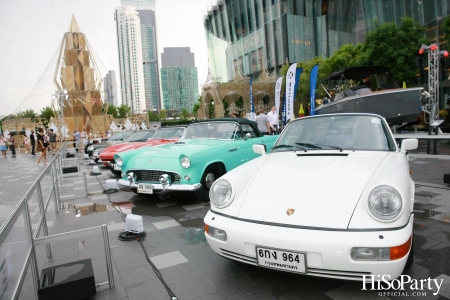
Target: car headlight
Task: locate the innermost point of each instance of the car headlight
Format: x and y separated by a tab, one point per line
90	148
385	202
221	193
119	161
185	162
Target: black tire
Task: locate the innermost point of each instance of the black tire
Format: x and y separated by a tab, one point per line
209	176
117	173
410	259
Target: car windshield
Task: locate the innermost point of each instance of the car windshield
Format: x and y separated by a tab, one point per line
141	136
213	130
122	135
345	132
169	133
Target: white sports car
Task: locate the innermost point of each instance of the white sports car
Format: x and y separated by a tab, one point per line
334	198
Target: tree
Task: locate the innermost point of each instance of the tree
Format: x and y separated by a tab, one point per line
153	116
446	29
122	111
112	110
240	105
211	109
47	113
345	57
396	48
184	114
197	106
163	114
29	113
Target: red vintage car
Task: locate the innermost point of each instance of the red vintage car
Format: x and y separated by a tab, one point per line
162	135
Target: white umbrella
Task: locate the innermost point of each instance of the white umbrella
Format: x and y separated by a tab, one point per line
133	127
52	126
113	126
143	126
128	124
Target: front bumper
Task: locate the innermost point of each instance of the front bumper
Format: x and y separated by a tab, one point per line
158	187
327	252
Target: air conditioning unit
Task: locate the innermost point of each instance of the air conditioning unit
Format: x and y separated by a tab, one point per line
133	223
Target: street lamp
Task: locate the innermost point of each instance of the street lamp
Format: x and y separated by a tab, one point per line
60	96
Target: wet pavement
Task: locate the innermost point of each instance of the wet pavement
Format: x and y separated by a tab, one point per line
176	244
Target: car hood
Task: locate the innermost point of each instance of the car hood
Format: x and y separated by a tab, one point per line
134	145
323	188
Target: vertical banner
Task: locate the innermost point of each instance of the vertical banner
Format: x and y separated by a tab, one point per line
278	85
298	72
312	88
290	87
252	103
283	111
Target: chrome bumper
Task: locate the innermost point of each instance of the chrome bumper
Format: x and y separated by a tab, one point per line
159	186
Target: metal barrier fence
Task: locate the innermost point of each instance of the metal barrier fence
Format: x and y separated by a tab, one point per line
19	234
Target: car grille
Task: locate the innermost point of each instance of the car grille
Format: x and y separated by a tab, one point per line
153	175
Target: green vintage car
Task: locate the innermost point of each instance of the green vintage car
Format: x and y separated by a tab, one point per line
207	150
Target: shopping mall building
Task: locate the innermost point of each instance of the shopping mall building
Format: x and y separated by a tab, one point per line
254	38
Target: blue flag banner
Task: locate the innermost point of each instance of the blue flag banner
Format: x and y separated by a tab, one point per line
252	103
298	72
312	87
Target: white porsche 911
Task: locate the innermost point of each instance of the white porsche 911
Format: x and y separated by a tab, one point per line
334	198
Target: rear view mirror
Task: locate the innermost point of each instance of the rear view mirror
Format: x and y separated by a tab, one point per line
409	144
259	149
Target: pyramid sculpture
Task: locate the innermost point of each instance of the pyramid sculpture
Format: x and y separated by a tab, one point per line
75	72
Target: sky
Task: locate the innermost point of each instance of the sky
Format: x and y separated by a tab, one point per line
31	32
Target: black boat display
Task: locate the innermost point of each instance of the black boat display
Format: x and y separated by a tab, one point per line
396	105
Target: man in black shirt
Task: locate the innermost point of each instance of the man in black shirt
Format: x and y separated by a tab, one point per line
33	142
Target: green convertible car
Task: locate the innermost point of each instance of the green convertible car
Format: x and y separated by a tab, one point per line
207	150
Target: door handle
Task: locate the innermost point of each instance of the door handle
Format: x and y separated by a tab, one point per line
233	149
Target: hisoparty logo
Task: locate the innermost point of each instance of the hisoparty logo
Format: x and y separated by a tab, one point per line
400	285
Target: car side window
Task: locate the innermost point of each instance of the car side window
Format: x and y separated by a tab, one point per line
248	129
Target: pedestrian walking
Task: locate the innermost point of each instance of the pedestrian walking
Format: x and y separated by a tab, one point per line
42	144
11	145
76	139
272	121
52	139
26	143
261	121
3	145
33	142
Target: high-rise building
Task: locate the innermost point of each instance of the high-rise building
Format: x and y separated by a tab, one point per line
147	21
179	78
130	58
110	88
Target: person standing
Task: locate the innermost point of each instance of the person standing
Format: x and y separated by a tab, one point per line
272	121
3	145
33	142
26	143
261	121
52	139
12	147
76	139
42	146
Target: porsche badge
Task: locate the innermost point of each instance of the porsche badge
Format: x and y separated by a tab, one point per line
290	211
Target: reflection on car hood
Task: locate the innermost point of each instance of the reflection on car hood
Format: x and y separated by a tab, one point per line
134	145
186	147
323	190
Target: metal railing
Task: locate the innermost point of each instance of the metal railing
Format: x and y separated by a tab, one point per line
19	234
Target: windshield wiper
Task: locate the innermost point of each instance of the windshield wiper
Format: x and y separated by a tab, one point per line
285	146
318	146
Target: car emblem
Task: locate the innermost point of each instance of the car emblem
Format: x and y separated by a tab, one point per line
290	211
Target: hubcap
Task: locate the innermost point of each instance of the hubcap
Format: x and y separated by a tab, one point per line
209	180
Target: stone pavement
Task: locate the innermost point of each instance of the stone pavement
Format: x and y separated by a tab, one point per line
176	244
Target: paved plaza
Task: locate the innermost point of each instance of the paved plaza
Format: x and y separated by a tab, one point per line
176	243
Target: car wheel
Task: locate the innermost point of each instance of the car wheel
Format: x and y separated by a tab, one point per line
208	178
410	259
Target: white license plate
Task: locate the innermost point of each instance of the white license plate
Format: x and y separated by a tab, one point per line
145	188
281	259
116	167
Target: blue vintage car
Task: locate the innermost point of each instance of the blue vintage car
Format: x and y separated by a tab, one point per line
207	150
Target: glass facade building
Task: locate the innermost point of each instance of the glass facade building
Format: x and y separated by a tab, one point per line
240	33
147	21
179	78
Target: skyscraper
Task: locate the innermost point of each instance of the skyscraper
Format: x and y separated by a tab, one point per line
179	78
146	10
130	58
110	88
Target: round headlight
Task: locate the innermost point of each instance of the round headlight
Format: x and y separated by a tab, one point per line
385	202
119	161
220	193
185	162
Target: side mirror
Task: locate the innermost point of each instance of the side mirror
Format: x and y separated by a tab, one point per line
247	136
259	149
409	144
